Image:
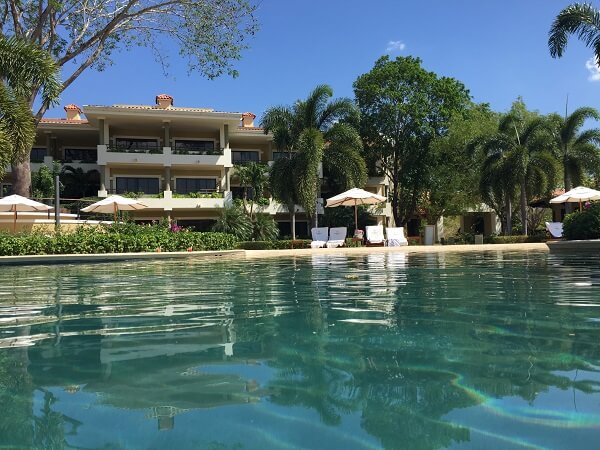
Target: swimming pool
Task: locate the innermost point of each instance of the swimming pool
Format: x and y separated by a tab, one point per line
425	351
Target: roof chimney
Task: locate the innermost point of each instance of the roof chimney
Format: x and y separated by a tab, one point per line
73	112
164	101
248	119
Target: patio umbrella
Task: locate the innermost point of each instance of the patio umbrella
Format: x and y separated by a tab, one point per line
355	197
113	204
15	203
578	194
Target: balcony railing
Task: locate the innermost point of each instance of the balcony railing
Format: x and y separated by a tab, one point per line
197	151
121	149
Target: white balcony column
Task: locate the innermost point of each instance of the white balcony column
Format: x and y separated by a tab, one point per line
102	192
225	141
167	136
101	132
167	185
227	179
105	132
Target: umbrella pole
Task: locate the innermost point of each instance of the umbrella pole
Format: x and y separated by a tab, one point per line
15	220
115	212
579	205
355	217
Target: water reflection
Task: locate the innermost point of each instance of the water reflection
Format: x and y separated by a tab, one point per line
495	350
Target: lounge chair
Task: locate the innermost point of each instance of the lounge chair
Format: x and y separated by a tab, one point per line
555	229
337	237
395	236
375	235
319	237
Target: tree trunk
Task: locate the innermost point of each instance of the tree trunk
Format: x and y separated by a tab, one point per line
568	187
292	211
395	204
508	227
21	178
523	209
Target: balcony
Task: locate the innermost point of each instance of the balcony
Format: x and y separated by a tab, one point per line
170	201
144	150
164	156
198	151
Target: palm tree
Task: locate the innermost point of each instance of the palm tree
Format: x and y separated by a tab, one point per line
22	65
252	177
517	155
79	183
577	151
581	19
314	131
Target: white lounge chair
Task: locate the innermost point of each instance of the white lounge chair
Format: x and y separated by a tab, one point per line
555	229
375	235
395	236
337	237
319	237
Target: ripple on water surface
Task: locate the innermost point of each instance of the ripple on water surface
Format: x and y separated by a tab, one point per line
489	350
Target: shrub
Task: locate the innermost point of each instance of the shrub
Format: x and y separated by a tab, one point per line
118	238
274	245
234	221
519	239
264	228
583	224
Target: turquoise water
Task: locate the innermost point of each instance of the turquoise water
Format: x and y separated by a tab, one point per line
461	351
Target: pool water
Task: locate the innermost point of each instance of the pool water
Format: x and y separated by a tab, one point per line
429	351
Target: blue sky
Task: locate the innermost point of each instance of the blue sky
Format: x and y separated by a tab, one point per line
498	49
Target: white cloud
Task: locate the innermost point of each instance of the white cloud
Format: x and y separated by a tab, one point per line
395	46
592	66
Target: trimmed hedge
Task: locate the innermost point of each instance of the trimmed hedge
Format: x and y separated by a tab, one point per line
122	238
520	239
583	224
274	245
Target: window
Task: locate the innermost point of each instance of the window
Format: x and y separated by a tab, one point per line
279	155
187	185
133	184
237	192
6	189
37	154
136	145
194	147
241	157
81	154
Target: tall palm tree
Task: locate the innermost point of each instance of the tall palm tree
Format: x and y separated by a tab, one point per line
581	19
314	131
22	65
577	151
253	177
517	155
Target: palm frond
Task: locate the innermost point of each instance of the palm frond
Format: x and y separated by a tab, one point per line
576	120
580	19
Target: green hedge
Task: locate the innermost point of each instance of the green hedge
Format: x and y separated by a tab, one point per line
274	245
114	239
583	224
521	239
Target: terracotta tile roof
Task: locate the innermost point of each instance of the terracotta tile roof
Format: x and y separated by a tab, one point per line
164	97
61	121
249	114
251	129
73	107
156	108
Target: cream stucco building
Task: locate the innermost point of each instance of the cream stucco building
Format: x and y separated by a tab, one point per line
168	153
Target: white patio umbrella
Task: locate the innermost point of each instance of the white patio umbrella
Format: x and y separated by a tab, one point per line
354	197
113	204
577	195
16	203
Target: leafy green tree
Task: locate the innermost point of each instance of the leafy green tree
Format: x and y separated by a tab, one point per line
576	150
454	178
314	131
403	109
22	65
580	19
264	228
210	34
43	182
